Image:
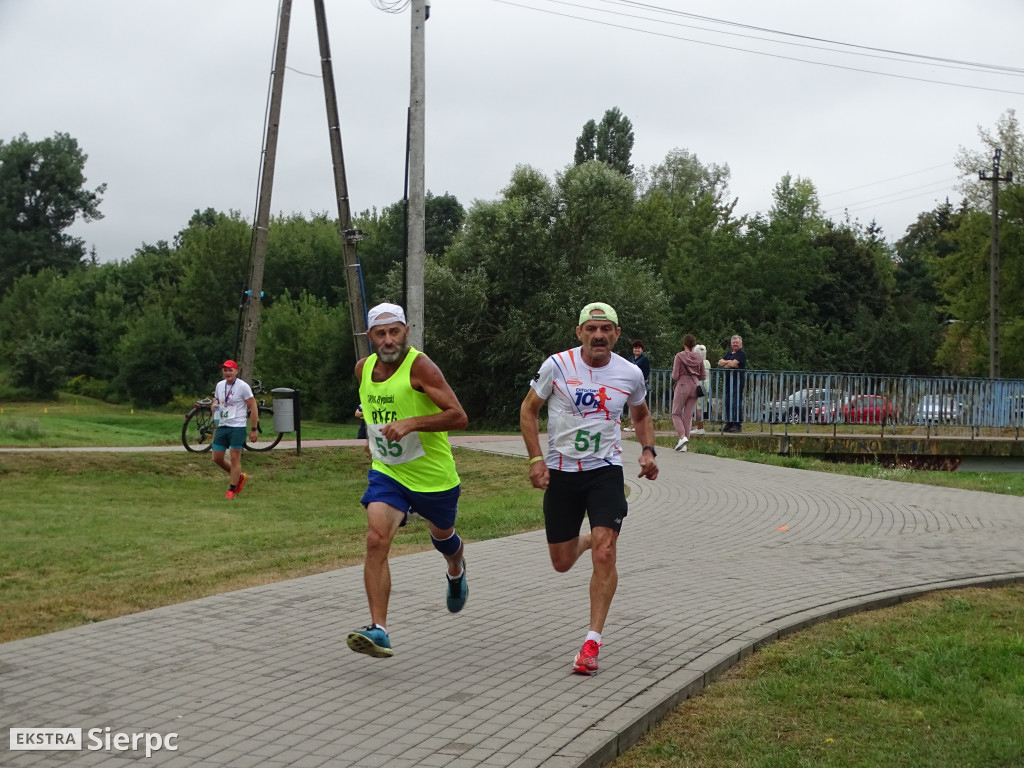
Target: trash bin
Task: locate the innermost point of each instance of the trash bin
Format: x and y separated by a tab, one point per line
285	410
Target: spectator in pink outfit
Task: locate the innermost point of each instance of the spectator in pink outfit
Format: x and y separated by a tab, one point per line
687	371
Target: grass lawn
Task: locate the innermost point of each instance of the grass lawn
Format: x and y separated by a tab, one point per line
934	683
72	421
92	536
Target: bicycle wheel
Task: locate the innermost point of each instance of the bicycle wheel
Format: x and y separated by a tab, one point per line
197	431
267	438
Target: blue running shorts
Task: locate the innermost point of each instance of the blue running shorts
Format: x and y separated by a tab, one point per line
439	507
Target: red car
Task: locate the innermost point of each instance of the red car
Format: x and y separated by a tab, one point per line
868	409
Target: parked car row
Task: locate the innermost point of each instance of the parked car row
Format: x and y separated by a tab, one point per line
830	406
946	404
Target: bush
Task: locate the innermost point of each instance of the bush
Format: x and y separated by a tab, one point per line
20	429
155	359
37	364
86	386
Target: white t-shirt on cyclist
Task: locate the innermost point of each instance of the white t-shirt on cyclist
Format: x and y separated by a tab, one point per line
584	405
229	406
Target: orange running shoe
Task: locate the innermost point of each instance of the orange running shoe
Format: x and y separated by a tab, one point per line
585	662
241	481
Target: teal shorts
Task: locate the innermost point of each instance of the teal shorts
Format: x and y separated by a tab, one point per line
229	437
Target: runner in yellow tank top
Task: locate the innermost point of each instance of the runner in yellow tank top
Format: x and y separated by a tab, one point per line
421	461
409	408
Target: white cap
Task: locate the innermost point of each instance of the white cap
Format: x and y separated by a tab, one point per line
385	314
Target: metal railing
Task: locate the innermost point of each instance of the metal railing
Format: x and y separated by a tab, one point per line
788	400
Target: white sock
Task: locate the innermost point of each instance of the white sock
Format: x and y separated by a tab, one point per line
380	626
595	636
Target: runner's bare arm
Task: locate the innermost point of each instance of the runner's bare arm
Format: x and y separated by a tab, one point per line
529	422
426	377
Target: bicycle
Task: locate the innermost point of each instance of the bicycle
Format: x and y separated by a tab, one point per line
199	427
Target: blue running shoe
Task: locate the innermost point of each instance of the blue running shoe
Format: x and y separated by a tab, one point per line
372	641
458	591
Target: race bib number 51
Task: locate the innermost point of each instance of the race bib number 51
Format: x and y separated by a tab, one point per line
583	438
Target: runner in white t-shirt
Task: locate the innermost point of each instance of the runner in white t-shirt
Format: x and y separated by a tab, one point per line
233	401
585	389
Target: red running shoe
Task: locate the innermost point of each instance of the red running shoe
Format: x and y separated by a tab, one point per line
229	495
585	662
241	481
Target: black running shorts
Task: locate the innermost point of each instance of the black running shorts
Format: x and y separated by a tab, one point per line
599	494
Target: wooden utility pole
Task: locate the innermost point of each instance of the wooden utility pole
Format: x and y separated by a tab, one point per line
349	236
254	293
993	290
417	228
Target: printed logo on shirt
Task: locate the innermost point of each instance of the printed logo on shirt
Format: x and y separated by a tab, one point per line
597	399
382	416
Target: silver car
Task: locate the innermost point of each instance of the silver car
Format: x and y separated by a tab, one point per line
939	409
815	404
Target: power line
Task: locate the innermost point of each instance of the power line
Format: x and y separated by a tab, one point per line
307	74
869	205
757	53
390	6
931	61
884	181
659	9
935	186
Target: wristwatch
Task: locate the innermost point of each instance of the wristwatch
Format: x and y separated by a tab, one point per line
651	449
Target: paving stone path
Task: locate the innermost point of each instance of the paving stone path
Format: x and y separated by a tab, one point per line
716	558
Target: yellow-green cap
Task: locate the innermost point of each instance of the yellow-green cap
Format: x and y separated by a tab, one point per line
598	311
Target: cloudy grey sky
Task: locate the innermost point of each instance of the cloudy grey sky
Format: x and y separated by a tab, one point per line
167	97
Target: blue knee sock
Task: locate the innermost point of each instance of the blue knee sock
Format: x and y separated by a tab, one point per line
449	546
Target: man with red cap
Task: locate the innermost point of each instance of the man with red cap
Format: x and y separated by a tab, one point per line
232	401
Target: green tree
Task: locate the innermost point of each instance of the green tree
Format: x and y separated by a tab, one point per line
38	364
921	311
682	226
1007	137
964	284
593	203
301	346
524	265
853	301
155	359
211	256
42	192
964	273
611	142
384	246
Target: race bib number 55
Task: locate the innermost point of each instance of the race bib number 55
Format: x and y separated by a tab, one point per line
389	452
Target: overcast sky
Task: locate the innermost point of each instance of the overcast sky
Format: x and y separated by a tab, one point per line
167	97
